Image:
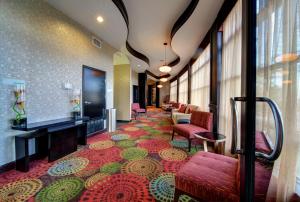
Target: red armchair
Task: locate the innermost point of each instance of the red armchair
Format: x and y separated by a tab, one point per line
200	122
136	109
213	177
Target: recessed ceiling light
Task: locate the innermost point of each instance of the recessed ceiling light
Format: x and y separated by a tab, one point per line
100	19
139	65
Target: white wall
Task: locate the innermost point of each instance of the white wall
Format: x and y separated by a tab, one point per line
44	48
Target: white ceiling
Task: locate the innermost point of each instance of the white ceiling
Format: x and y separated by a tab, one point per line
150	24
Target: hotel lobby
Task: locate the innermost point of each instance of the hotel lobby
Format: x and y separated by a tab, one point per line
136	100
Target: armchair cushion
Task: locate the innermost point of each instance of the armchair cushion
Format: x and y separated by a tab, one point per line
176	105
187	130
182	109
191	108
202	119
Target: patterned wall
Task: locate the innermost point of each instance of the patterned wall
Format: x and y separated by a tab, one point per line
43	47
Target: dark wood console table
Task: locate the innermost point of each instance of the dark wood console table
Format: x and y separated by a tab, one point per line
54	138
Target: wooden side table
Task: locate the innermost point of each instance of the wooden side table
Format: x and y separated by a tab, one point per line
216	138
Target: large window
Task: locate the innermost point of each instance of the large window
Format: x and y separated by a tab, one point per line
183	88
278	78
201	80
173	91
230	85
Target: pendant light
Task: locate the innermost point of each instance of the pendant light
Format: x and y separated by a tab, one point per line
165	68
163	79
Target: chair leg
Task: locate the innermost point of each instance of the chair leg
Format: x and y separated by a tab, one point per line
190	143
173	135
176	195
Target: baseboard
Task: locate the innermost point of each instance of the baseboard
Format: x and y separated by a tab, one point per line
12	165
97	132
123	121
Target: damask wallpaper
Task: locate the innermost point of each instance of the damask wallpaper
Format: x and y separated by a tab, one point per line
44	48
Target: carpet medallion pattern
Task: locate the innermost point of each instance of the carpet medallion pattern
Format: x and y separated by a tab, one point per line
62	190
138	162
68	167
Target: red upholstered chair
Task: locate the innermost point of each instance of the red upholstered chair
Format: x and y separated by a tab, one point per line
200	122
214	177
136	109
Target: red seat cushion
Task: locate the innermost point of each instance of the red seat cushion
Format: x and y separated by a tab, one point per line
261	143
262	180
140	110
209	176
187	130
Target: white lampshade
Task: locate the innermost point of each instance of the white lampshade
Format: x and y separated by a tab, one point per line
163	79
287	57
159	86
165	69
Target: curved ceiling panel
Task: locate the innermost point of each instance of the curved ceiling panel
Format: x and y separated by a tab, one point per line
150	24
178	24
120	5
187	39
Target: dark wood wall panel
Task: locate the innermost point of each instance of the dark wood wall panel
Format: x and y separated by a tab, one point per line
215	75
142	80
157	95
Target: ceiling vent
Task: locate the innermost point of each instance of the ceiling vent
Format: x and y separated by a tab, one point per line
96	42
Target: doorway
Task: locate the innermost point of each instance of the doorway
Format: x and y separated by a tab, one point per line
93	97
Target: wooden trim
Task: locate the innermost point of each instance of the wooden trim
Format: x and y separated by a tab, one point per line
156	95
215	75
12	165
142	79
248	78
189	84
177	88
157	77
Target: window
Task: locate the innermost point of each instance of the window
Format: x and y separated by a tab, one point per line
173	91
230	84
201	80
183	88
278	37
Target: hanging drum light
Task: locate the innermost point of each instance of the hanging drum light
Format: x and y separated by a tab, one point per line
165	68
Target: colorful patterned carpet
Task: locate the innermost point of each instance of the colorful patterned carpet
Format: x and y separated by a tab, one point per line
135	163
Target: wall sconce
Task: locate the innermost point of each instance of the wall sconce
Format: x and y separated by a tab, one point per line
159	86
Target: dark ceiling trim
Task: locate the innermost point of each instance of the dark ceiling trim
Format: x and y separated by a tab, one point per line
222	14
157	77
184	17
179	23
120	5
